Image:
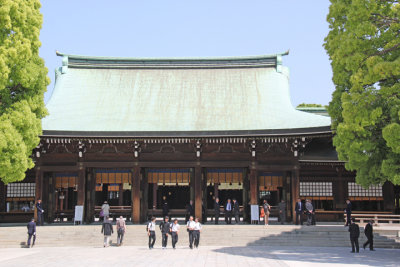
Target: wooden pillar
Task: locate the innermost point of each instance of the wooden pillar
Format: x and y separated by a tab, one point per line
135	192
38	189
155	185
81	186
253	180
246	207
50	196
339	190
3	193
197	192
90	196
121	194
295	191
388	196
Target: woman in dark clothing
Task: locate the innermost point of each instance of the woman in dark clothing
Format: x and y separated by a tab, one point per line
107	230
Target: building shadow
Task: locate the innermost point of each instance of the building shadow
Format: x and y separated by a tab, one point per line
316	255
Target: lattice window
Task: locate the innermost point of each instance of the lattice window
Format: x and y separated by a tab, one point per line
316	189
20	190
356	190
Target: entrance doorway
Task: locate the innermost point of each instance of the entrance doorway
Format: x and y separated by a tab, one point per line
170	185
226	183
113	186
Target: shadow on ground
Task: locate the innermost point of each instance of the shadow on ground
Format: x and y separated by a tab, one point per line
335	255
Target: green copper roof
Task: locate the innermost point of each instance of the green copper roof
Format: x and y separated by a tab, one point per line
96	94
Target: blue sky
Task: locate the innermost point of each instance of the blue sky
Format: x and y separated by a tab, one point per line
194	29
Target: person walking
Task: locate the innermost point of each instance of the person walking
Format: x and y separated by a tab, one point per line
121	229
174	233
40	211
216	210
267	209
348	212
105	210
236	211
189	210
369	233
309	211
354	235
282	211
190	228
107	230
299	208
151	232
31	232
165	207
228	212
196	232
165	228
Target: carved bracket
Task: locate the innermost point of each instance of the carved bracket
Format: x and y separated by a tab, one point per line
198	148
253	145
81	148
136	149
298	145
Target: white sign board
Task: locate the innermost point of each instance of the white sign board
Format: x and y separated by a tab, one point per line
78	214
255	213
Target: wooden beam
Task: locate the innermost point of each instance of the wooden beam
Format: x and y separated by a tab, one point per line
253	179
295	186
38	189
136	194
197	192
81	187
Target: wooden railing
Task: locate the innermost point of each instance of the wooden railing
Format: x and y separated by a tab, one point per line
115	211
377	217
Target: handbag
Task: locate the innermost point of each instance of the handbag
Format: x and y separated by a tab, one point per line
101	213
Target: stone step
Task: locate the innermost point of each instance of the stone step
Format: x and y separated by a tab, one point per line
212	235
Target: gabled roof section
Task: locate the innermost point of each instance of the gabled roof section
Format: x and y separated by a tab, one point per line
175	96
77	61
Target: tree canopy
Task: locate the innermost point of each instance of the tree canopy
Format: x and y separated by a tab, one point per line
304	105
23	81
364	47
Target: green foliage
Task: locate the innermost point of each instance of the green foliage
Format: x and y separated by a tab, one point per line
304	105
364	48
23	81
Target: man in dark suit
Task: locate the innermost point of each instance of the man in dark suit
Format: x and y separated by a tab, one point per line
236	211
299	209
189	211
40	211
228	212
216	210
369	233
31	232
165	208
354	235
348	212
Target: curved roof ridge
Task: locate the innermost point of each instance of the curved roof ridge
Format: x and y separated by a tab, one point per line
250	57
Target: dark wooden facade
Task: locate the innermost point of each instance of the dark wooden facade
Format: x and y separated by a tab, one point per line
285	156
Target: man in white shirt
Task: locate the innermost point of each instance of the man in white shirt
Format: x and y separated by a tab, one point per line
174	232
190	228
196	232
151	232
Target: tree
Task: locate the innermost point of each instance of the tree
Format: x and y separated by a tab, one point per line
364	48
304	105
23	81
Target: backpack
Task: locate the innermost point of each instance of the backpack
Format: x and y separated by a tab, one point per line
147	226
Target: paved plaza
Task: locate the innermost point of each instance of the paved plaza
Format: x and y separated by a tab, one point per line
204	256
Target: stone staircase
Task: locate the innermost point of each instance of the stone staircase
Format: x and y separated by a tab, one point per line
212	235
